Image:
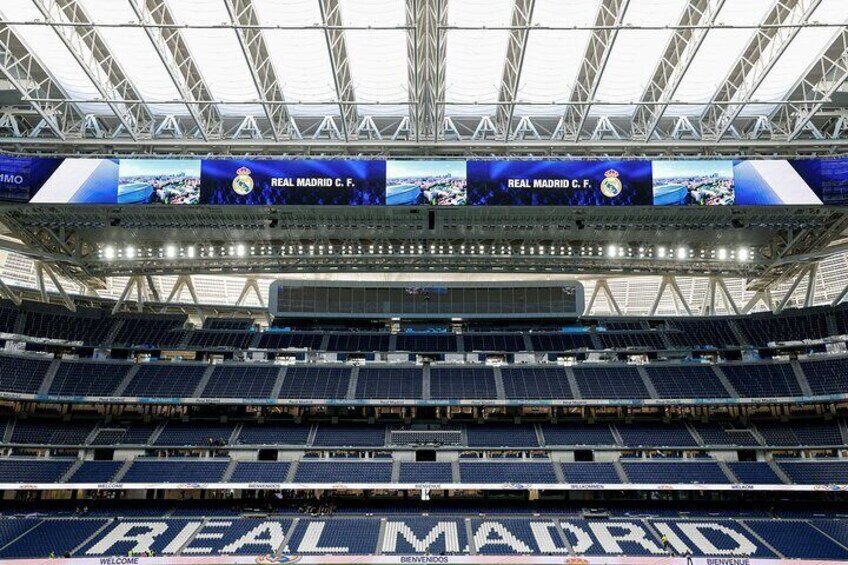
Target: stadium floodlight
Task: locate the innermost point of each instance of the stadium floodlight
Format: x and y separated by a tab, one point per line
240	250
661	252
681	253
190	252
170	252
611	251
743	254
722	254
109	253
129	252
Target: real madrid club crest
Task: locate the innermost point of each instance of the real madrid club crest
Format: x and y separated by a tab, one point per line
611	185
243	183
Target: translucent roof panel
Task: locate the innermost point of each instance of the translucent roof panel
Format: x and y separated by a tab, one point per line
300	57
475	58
45	44
136	55
553	57
635	55
218	55
378	58
718	54
804	50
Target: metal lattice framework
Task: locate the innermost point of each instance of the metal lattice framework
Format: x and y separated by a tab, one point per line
762	105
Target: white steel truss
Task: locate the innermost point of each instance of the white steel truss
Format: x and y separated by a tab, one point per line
807	120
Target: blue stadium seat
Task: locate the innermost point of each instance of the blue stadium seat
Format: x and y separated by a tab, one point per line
817	472
800	433
501	435
20	470
273	434
95	472
196	433
656	435
725	433
56	536
797	539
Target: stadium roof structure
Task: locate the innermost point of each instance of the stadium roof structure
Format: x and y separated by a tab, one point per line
428	78
424	77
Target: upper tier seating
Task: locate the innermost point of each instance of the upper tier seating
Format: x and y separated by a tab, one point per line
177	434
95	472
203	339
535	382
586	473
51	432
500	343
560	341
336	471
8	316
484	472
577	434
501	435
631	340
762	380
686	381
233	324
33	470
754	473
762	329
273	434
426	343
454	383
167	380
260	472
418	472
350	436
88	379
362	343
800	433
717	433
642	434
118	434
613	381
289	340
22	375
140	330
86	325
241	381
315	383
176	470
827	376
821	472
676	471
716	333
389	383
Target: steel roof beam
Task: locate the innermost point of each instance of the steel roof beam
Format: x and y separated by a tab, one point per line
609	16
426	56
824	77
26	74
681	50
522	16
176	57
258	57
753	66
331	17
88	47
